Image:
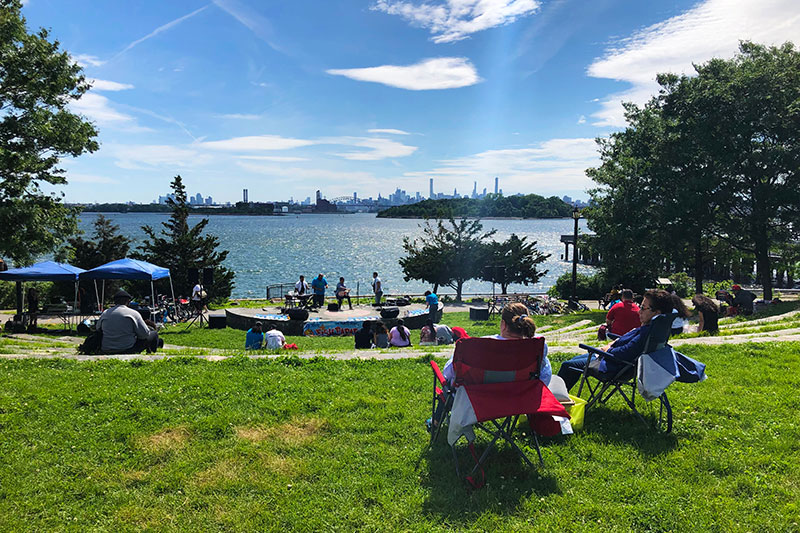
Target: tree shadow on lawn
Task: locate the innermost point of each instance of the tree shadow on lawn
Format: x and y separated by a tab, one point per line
509	480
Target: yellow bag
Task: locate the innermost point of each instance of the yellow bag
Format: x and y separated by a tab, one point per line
576	412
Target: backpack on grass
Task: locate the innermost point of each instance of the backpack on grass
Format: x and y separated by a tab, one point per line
92	344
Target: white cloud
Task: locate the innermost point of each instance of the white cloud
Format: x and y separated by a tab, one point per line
454	20
548	168
255	143
106	85
713	28
86	60
161	29
582	119
98	108
274	158
389	131
375	148
249	18
161	156
428	74
240	116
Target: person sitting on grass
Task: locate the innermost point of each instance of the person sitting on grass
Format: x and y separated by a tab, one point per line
400	337
623	316
363	337
380	335
626	348
274	340
124	329
708	313
427	335
255	337
683	314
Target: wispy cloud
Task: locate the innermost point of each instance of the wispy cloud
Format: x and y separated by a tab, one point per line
454	20
86	60
582	119
273	158
547	168
374	148
251	19
429	74
389	131
159	156
106	85
240	116
713	28
255	143
98	108
161	29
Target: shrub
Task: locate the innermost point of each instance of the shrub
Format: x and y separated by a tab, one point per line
586	288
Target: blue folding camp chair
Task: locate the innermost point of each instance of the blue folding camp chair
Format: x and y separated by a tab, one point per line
603	385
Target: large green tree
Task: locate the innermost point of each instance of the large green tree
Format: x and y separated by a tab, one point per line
37	82
713	158
448	253
513	261
179	247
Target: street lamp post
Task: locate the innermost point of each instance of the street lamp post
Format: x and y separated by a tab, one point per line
576	215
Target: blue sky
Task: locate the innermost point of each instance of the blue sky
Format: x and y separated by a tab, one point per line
284	98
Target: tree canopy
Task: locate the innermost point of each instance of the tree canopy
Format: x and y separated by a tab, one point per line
179	247
715	157
37	83
449	253
512	261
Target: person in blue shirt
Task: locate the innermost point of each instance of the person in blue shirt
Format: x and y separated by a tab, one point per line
255	337
433	304
626	348
319	284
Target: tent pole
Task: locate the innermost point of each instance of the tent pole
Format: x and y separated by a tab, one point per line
152	298
74	305
20	304
96	295
103	297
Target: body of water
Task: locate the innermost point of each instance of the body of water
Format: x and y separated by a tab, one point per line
268	250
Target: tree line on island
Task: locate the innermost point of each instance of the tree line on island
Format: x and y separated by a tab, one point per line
493	205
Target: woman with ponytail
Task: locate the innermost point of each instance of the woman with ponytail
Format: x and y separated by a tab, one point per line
514	324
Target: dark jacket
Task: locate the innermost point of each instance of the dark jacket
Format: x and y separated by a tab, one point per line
627	348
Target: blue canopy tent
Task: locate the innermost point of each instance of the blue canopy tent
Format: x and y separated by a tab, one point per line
44	271
130	269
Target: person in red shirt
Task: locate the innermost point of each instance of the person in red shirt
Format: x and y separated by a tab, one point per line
623	316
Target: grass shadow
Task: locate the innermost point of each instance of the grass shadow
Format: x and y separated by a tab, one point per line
620	425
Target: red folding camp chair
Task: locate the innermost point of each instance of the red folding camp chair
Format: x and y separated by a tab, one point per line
496	381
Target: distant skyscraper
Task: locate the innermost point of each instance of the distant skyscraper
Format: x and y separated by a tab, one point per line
495	185
319	196
198	199
475	189
431	193
355	198
244	195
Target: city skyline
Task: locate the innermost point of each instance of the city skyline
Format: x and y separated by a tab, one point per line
371	95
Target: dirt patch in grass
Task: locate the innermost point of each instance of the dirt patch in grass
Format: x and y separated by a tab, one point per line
296	432
166	440
219	473
280	464
143	517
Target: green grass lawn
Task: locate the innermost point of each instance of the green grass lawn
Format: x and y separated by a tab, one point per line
322	445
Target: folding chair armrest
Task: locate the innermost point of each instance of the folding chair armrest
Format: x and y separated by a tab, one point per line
606	355
438	373
612	336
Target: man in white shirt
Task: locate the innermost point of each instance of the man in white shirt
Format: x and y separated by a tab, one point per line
377	288
302	290
124	329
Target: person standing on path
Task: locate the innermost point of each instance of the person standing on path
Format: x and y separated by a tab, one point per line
432	302
319	284
377	288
